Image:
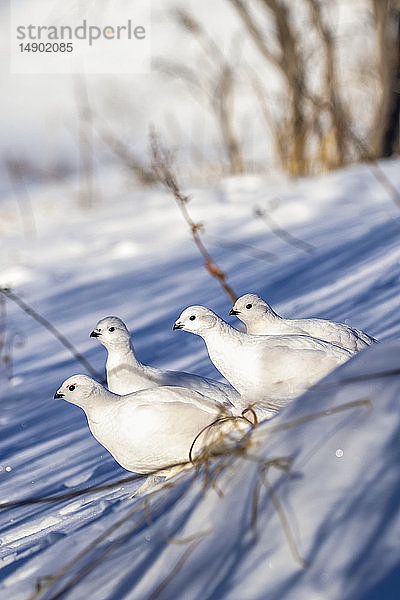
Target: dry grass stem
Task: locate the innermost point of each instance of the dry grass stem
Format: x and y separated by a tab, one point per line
164	172
209	465
53	330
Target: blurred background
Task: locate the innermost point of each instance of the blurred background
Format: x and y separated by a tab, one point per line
235	87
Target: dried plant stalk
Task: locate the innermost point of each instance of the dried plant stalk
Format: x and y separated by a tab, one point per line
53	330
163	169
223	458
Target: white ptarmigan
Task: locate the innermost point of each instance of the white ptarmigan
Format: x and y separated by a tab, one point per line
261	319
126	374
262	368
148	430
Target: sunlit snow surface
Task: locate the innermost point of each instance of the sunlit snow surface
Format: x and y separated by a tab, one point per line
336	506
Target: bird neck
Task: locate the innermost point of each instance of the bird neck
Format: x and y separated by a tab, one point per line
221	341
101	405
222	333
270	314
125	353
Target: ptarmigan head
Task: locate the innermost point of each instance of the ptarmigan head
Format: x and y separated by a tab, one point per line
196	319
250	308
111	332
80	390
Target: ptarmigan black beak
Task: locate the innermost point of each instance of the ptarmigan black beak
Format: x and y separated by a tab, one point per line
94	334
177	325
234	312
58	395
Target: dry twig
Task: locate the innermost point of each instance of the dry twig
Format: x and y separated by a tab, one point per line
163	169
85	144
122	151
289	61
217	79
53	330
15	173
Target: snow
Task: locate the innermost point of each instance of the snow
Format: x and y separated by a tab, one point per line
132	255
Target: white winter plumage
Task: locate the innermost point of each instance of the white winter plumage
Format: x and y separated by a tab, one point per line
144	431
126	374
261	319
262	368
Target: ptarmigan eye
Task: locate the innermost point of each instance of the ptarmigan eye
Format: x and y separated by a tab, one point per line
192	318
71	388
111	329
249	306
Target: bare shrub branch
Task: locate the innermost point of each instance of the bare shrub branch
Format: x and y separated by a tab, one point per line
337	156
85	144
122	151
15	171
53	330
162	163
290	63
217	81
384	135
